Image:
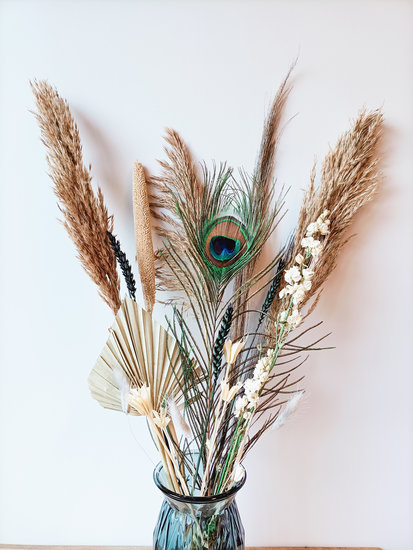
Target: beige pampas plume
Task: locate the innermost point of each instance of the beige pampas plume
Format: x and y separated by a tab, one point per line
349	178
143	235
86	218
180	178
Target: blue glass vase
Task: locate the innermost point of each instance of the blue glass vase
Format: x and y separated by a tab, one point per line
198	523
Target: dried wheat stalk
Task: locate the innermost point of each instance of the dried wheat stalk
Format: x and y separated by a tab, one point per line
85	215
143	236
349	179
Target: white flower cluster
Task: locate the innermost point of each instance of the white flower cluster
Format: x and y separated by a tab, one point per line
245	405
298	277
297	286
317	228
299	282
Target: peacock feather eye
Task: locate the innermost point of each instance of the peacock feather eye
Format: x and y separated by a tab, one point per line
225	242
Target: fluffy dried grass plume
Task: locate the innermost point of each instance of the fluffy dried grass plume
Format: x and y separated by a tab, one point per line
86	218
143	236
179	177
349	179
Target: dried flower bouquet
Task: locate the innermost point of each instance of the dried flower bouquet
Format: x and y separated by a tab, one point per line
219	373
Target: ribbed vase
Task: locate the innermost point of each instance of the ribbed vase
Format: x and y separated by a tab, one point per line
198	523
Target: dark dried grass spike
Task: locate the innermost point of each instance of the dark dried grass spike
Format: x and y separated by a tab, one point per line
124	265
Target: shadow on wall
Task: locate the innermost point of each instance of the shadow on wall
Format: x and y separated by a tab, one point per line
108	167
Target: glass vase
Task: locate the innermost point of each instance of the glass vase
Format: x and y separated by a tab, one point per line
198	523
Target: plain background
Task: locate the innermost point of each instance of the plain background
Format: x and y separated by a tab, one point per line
340	473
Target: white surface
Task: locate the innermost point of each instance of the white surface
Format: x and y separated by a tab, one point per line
71	473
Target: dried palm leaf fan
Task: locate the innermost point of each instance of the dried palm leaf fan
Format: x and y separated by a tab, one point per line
138	352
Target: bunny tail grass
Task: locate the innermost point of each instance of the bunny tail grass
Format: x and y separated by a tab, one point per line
143	236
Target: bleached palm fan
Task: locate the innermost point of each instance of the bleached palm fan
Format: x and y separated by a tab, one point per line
138	351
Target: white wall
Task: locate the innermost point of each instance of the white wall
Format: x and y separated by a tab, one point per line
71	473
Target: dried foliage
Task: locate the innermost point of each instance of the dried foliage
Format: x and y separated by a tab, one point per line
86	218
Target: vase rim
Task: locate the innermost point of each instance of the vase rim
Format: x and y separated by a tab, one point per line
197	499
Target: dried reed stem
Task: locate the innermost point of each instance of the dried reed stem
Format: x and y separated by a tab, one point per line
143	236
263	184
86	218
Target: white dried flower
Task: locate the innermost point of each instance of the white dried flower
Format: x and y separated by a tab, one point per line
253	402
311	229
140	400
161	419
283	292
299	294
308	274
324	228
307	242
289	289
294	319
293	275
227	393
245	405
299	259
306	285
316	249
283	316
247	414
240	405
252	386
231	350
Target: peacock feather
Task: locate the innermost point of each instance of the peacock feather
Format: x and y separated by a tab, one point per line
213	224
226	241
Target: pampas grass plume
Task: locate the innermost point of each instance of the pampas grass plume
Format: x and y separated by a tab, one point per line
86	218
